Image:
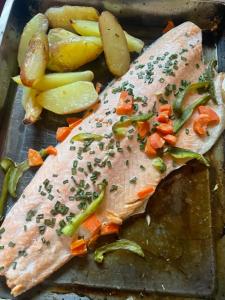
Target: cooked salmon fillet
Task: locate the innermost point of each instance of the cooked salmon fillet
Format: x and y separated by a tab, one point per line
31	247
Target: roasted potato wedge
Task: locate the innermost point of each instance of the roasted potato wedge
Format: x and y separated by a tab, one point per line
32	108
61	16
70	54
35	61
70	98
114	44
57	35
51	81
90	28
38	23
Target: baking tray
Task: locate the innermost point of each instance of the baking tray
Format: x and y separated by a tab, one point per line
187	215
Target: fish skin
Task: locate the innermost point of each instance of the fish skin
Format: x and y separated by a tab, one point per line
42	260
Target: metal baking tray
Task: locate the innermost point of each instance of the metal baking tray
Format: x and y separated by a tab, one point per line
187	214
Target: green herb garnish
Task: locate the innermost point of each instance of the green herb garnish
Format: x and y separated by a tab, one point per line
118	245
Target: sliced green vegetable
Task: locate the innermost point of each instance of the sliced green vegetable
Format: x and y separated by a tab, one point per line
4	192
6	163
177	104
180	153
76	221
188	111
15	175
159	164
118	127
118	245
86	137
209	75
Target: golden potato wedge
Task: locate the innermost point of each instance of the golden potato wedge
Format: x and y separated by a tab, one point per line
36	58
86	28
61	16
38	23
51	81
56	35
70	54
90	28
114	44
32	108
70	98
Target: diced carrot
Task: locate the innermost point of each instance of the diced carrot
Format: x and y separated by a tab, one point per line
165	128
51	150
78	247
92	224
156	141
145	192
125	106
166	108
163	117
200	124
71	120
75	124
34	158
149	150
143	128
110	228
98	87
62	133
214	118
170	25
170	139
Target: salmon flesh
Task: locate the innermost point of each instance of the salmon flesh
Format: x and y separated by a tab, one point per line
65	183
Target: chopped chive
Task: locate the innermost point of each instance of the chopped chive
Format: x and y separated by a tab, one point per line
133	180
11	244
42	229
113	188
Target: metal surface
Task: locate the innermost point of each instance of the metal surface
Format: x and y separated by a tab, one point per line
179	242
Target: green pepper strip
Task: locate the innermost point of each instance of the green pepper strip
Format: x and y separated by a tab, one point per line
209	75
159	164
76	221
181	153
17	173
118	245
118	128
87	136
187	113
177	104
4	192
7	165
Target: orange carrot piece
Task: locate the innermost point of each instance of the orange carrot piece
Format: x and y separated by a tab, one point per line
143	128
200	124
156	141
163	117
110	228
71	120
170	139
62	133
34	158
50	150
92	224
214	118
166	108
165	128
78	247
149	150
75	124
98	87
170	25
147	191
125	106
